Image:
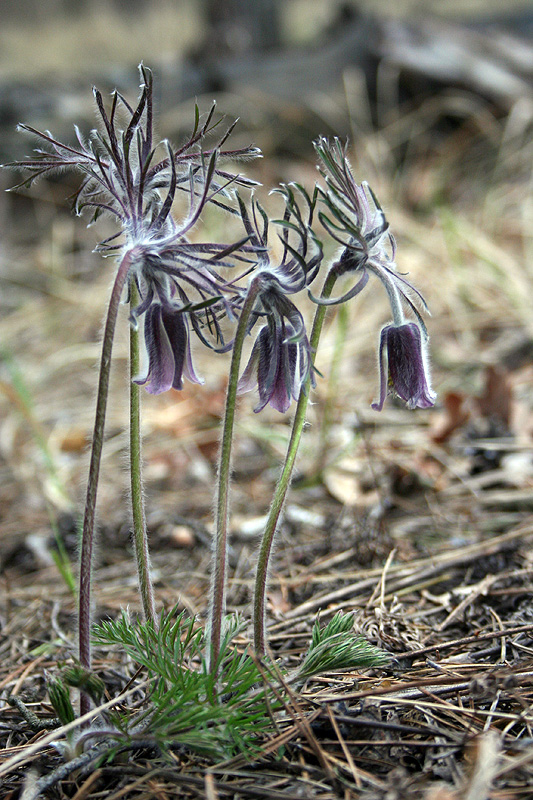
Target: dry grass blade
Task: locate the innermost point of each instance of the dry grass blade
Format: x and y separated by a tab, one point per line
486	767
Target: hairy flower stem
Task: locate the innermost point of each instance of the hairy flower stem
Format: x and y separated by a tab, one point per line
217	606
87	541
284	479
333	380
140	534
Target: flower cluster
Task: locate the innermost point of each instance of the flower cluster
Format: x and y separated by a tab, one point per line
181	285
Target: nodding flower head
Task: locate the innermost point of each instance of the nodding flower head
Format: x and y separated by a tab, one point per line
181	290
279	365
403	366
356	221
281	359
166	282
127	175
166	334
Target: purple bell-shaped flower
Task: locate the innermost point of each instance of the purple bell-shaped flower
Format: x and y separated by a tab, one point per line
403	367
166	335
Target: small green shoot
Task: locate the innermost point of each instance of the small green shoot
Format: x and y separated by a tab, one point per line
336	646
81	678
60	699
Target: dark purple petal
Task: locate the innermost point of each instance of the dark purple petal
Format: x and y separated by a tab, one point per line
166	334
176	330
406	367
279	365
188	367
285	382
248	379
161	364
267	369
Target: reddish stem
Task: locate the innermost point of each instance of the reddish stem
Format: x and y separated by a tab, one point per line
87	541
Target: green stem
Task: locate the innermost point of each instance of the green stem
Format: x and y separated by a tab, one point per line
140	534
285	480
220	557
87	540
333	379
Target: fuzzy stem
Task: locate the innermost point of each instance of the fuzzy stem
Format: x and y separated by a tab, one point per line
87	540
392	290
284	479
140	534
333	377
217	605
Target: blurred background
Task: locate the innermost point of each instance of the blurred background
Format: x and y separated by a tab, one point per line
436	99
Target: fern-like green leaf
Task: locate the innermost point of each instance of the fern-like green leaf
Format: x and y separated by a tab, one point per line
336	646
216	716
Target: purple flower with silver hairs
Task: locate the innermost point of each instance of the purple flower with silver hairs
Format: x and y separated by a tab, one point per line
127	175
356	221
280	362
403	367
179	290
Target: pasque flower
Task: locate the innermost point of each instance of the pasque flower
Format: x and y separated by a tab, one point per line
280	362
403	366
355	220
128	176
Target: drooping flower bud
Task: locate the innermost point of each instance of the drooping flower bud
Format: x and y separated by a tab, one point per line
403	366
281	360
166	335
